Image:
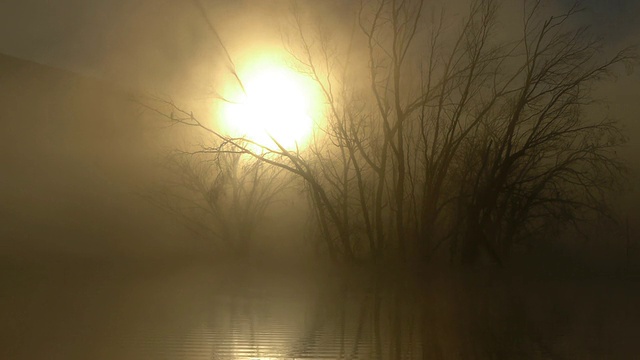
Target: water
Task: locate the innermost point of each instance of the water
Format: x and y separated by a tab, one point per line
199	312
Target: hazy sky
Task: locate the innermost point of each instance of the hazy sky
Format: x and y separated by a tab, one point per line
106	36
164	44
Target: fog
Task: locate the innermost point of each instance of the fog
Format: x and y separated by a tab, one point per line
164	48
70	70
101	246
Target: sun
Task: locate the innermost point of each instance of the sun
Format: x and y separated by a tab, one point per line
275	108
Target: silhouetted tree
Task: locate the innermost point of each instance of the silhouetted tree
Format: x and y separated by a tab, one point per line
457	133
220	195
541	158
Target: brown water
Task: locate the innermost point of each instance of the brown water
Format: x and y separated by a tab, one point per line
206	313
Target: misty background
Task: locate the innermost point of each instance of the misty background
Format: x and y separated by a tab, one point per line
77	152
79	157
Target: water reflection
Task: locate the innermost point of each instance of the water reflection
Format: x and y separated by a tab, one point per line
203	314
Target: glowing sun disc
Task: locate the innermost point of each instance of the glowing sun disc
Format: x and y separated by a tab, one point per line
276	106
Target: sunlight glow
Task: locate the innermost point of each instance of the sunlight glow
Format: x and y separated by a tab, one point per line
279	103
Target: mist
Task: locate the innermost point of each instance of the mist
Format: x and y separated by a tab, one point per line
132	226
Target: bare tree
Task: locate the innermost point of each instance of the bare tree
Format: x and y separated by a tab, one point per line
542	157
221	195
456	135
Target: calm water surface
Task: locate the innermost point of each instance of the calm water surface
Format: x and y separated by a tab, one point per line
198	312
